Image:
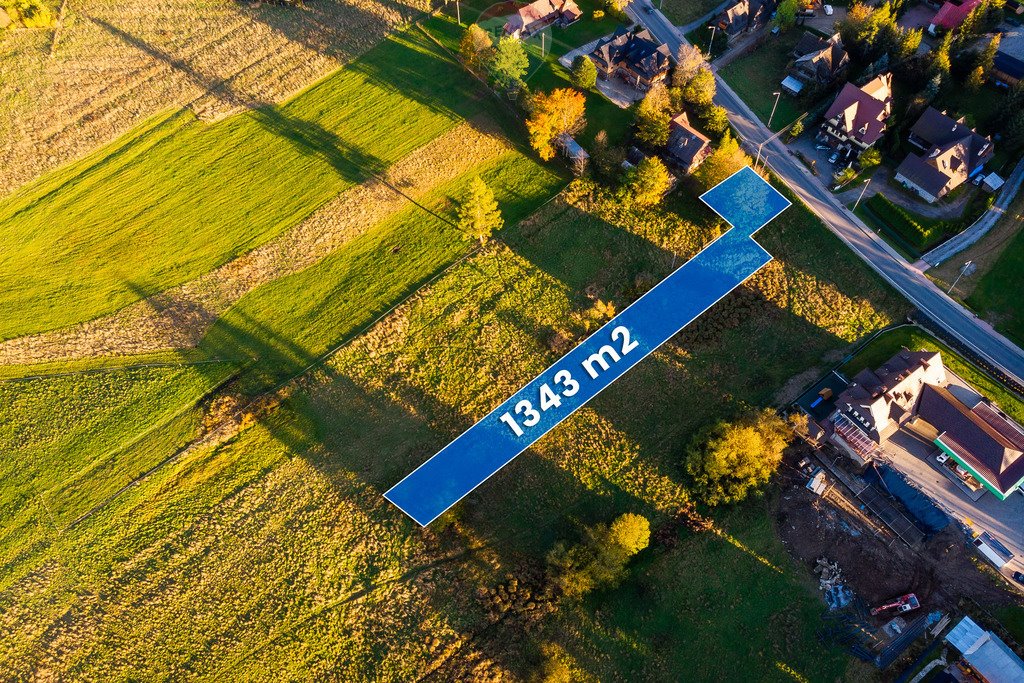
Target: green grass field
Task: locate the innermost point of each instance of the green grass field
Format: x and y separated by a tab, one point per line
362	279
756	76
996	295
275	555
178	197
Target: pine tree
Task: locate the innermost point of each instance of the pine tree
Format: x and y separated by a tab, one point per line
975	80
584	73
508	63
987	59
479	215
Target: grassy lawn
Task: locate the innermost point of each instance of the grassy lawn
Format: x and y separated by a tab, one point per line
913	338
980	108
685	11
702	37
996	294
177	197
757	75
348	289
274	554
68	442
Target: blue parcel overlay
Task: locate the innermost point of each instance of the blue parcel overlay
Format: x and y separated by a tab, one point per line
747	202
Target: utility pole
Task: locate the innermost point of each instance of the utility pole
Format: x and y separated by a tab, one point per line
963	270
458	12
772	115
861	195
711	43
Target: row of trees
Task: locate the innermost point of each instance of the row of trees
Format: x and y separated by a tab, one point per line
692	87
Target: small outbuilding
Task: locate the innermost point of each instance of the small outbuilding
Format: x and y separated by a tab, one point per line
577	156
985	654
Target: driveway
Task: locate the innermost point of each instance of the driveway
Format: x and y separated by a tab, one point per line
614	88
882	180
822	22
1004	519
808	146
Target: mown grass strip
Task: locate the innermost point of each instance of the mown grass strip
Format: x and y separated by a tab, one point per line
179	197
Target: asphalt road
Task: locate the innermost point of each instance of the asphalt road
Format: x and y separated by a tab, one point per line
918	289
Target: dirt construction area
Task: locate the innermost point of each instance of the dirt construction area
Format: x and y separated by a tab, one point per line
876	564
107	66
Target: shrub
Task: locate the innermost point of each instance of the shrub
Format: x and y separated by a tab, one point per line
600	561
730	460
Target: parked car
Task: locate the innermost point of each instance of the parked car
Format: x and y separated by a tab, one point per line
649	9
807	13
828	10
1018	577
775	30
941	458
834	158
821	148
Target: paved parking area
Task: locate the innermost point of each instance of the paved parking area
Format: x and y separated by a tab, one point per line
808	146
615	89
824	23
1003	519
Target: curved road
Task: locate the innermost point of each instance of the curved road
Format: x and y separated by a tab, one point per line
918	289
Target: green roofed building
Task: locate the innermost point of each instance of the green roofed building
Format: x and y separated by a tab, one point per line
982	439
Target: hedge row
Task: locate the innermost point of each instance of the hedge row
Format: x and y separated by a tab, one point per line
905	225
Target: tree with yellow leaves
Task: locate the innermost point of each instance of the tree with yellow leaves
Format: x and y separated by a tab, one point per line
560	112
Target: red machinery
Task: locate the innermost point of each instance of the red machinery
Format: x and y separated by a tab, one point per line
904	603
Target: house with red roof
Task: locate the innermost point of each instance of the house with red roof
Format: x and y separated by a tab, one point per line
951	15
537	16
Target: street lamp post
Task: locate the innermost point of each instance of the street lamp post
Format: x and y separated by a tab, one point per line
711	43
772	115
861	195
959	275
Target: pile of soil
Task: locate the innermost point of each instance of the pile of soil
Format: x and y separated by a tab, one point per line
877	565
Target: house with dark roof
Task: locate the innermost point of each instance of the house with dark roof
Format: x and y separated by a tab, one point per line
1008	67
687	147
637	57
878	402
744	16
953	153
857	118
818	63
951	15
912	391
540	14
